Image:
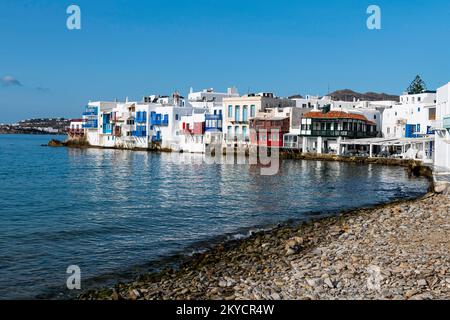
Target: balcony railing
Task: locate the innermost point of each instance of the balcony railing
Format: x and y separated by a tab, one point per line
76	132
337	133
139	134
90	124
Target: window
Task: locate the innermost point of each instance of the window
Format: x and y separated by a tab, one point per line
230	111
245	113
252	111
418	109
244	131
388	130
274	137
375	116
432	114
262	137
237	114
176	117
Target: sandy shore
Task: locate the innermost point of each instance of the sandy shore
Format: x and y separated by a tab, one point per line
395	251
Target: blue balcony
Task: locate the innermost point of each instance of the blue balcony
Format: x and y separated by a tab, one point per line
140	131
213	122
165	120
91	124
141	117
139	134
90	111
156	119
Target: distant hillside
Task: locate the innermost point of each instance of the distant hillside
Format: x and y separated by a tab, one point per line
350	95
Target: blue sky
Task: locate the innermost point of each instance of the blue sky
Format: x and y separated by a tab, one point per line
134	48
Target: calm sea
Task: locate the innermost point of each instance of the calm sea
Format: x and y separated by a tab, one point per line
119	213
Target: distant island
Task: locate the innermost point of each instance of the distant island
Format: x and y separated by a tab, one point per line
51	126
350	95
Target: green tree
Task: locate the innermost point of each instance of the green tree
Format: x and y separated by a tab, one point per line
417	86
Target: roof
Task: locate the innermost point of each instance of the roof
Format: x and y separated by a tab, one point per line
337	115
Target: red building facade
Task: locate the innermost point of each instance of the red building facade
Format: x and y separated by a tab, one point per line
268	131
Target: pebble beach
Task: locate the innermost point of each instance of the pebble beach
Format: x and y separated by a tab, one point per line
394	251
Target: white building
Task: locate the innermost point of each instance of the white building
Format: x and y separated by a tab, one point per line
92	120
412	117
442	128
152	123
323	131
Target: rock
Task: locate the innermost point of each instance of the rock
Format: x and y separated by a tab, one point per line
441	187
275	296
55	143
116	296
290	252
329	283
222	284
293	245
422	296
185	291
422	283
314	282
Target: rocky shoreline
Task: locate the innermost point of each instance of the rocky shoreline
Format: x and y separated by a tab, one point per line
394	251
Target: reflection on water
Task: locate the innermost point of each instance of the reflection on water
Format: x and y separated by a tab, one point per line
109	210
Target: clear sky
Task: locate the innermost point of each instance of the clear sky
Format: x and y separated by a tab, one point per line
135	48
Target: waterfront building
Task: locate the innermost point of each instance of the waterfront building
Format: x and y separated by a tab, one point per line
412	117
268	131
323	131
148	124
442	128
205	125
92	119
76	128
193	133
237	112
